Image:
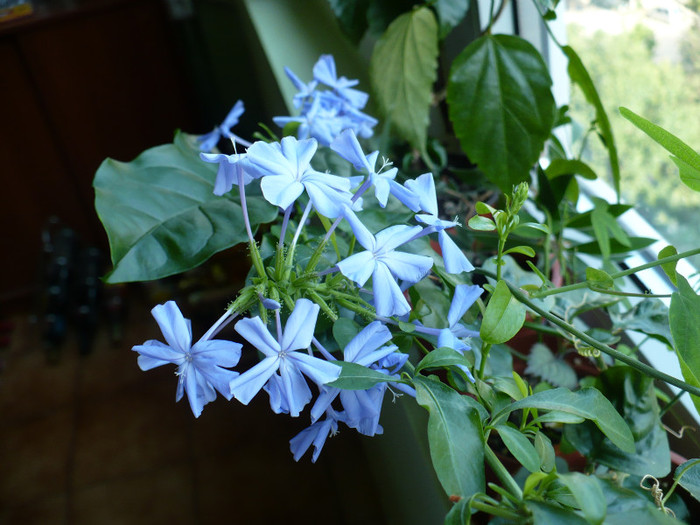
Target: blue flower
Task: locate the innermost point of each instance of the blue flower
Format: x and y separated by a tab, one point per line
315	435
348	147
229	166
324	72
362	407
285	168
199	365
283	367
208	141
453	257
452	336
384	264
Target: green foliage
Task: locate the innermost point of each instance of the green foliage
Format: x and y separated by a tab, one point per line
161	216
455	436
543	364
450	13
688	477
501	106
503	318
403	69
358	377
684	318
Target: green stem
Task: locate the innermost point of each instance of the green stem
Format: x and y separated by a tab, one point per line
627	294
484	356
617	275
646	369
502	473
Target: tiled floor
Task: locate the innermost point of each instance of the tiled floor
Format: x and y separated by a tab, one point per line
93	440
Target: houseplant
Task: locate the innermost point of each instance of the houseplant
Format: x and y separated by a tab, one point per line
324	214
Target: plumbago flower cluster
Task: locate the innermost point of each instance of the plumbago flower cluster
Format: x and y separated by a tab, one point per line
292	354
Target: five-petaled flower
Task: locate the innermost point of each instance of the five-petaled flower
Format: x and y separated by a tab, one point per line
283	367
199	366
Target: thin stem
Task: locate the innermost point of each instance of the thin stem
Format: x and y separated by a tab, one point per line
495	511
254	253
650	371
484	356
502	473
627	294
285	222
617	275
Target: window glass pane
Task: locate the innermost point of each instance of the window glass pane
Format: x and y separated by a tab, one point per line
644	55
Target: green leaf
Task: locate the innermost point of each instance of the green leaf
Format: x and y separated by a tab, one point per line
689	475
161	216
545	451
403	69
604	224
344	330
580	76
503	318
352	17
442	358
560	167
599	278
616	248
455	436
501	106
543	364
519	445
481	223
550	514
649	316
358	377
690	176
583	220
684	318
459	514
687	159
534	226
669	268
525	250
587	403
588	495
450	13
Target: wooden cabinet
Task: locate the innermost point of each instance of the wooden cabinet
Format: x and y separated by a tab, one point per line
78	83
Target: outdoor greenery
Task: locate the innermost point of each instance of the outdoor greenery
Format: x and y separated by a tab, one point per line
361	284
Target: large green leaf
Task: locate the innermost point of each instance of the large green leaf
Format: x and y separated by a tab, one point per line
161	216
687	159
503	318
588	495
450	13
684	318
579	75
455	436
689	475
587	403
501	106
403	69
520	446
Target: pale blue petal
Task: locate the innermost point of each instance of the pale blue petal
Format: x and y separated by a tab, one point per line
298	153
278	402
323	401
217	351
347	146
324	70
300	326
362	234
435	222
318	370
394	236
148	363
208	141
256	333
358	267
424	187
376	355
315	435
328	193
281	190
381	190
388	298
248	384
408	267
293	387
219	378
177	330
367	340
157	351
267	159
465	296
232	118
195	395
453	256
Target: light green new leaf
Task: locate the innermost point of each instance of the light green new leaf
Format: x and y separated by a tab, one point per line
560	167
161	216
455	436
687	159
599	278
545	451
588	495
580	76
587	403
481	223
519	445
501	106
503	318
684	318
403	69
669	268
689	475
358	377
